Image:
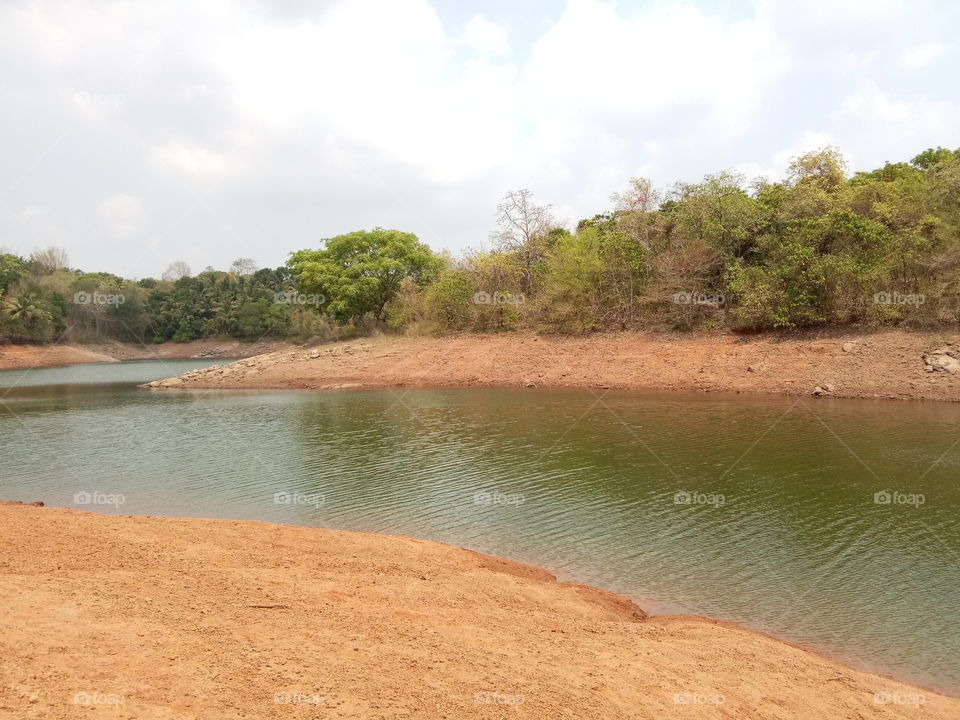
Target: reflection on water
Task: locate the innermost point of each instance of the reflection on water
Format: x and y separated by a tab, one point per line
761	511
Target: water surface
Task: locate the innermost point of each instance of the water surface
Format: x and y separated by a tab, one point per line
783	531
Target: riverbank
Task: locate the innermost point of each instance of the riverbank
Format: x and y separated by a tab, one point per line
13	357
163	618
889	364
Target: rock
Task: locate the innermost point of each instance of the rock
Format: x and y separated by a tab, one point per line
941	361
531	385
821	390
848	347
314	355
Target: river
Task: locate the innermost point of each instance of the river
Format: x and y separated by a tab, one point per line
830	523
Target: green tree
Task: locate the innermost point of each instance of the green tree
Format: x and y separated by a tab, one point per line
358	273
11	270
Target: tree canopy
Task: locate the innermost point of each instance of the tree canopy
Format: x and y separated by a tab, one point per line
818	247
360	272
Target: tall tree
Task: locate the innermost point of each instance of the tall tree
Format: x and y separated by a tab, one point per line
176	271
360	272
524	230
49	260
243	266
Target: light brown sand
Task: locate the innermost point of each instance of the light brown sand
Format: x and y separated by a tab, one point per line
169	618
14	357
886	364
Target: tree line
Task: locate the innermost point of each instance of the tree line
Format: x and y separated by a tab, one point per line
818	247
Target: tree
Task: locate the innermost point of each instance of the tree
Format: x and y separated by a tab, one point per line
931	157
28	316
176	270
825	167
718	213
11	270
570	283
49	260
640	196
448	302
358	273
524	229
243	266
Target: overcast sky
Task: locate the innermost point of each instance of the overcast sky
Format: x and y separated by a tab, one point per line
134	134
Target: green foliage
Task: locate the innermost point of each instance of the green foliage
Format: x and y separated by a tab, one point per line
449	302
31	314
932	157
11	270
718	213
569	299
816	248
261	318
358	273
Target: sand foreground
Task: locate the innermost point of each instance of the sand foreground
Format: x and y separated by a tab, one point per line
147	617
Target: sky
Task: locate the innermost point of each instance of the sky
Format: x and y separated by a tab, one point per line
134	134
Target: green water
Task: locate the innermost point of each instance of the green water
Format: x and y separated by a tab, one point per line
782	533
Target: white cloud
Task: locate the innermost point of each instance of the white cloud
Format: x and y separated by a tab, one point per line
922	55
302	121
873	127
191	160
485	37
122	214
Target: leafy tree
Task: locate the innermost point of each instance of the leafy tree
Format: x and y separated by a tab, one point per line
931	157
358	273
11	270
570	283
449	302
260	318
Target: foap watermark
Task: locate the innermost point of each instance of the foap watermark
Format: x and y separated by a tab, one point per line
893	497
488	697
498	298
97	698
285	298
98	498
489	497
298	498
684	497
298	698
893	697
698	698
98	99
896	298
98	298
712	299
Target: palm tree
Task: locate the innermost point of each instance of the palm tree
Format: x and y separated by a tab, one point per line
27	309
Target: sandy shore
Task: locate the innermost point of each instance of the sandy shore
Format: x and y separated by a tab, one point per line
14	357
146	617
889	364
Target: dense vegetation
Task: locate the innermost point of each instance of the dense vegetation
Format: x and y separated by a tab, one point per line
818	248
